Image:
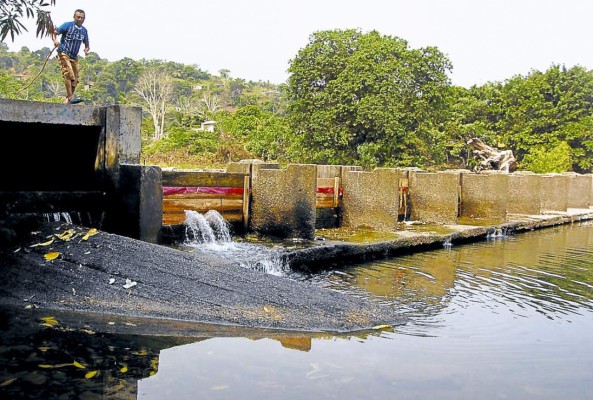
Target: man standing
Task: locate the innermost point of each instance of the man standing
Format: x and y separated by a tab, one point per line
73	35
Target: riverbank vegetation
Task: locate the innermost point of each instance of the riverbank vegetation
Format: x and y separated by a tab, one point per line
352	97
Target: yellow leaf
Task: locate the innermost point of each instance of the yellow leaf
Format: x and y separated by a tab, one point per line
124	369
7	382
45	366
78	365
382	327
43	244
43	349
91	232
67	235
52	256
90	374
49	321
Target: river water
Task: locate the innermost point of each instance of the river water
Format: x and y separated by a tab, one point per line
507	318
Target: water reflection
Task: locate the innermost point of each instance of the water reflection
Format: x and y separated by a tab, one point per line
509	318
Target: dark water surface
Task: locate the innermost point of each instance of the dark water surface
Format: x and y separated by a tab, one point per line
509	318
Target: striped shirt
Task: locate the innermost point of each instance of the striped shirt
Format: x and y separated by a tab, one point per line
72	37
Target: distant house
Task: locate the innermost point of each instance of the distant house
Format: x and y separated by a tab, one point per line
207	126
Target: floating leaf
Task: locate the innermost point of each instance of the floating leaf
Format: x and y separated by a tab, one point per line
7	382
67	235
43	244
382	327
124	369
91	232
49	321
43	349
51	256
46	366
78	365
90	374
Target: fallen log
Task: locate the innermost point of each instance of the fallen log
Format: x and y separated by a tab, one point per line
492	159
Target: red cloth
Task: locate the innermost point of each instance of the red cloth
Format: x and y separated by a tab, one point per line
207	190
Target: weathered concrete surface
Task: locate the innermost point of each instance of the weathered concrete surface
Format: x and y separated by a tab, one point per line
371	199
524	193
484	195
283	201
579	190
554	192
434	197
171	284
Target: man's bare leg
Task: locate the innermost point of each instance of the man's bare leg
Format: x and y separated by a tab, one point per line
69	90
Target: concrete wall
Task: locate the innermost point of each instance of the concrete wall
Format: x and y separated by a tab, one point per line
283	201
553	193
371	199
484	196
137	207
78	154
579	190
524	193
332	171
434	197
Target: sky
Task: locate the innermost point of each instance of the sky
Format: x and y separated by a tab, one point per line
486	40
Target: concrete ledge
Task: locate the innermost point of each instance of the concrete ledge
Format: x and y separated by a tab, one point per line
332	254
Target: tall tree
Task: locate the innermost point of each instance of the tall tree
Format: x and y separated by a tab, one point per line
367	98
13	11
155	87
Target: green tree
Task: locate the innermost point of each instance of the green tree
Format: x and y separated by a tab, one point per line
542	160
13	11
363	97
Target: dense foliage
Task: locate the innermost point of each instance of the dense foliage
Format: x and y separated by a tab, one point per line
364	98
351	98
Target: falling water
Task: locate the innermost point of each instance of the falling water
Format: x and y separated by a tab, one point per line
220	227
209	228
210	233
57	217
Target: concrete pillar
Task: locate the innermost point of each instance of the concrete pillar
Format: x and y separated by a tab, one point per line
137	207
434	197
122	138
484	195
579	189
524	193
554	193
371	199
283	201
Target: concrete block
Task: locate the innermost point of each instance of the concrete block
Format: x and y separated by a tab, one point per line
434	197
283	201
484	196
136	209
371	199
524	194
554	193
579	190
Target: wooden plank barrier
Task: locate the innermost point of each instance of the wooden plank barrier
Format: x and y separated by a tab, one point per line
227	193
329	192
